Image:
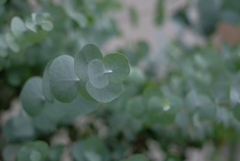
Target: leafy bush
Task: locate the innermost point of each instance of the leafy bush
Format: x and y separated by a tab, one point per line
108	107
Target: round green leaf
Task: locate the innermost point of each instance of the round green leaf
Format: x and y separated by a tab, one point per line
46	83
97	74
118	64
17	26
33	151
136	76
106	94
32	96
88	53
19	128
64	82
136	157
47	25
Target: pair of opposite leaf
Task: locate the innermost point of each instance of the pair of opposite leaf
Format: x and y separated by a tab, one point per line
66	81
88	73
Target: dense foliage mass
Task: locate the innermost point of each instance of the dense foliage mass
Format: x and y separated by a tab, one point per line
108	107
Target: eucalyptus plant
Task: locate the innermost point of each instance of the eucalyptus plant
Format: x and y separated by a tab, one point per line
111	106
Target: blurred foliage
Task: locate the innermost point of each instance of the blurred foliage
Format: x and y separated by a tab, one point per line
210	13
34	32
179	98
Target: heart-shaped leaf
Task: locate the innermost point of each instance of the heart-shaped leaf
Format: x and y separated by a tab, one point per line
118	64
106	94
32	96
97	74
88	53
64	82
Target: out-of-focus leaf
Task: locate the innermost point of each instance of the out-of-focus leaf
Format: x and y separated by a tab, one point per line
32	96
33	151
17	26
83	148
11	41
47	25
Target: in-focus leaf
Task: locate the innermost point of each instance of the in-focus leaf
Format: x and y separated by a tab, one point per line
88	53
64	82
118	64
97	74
106	94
